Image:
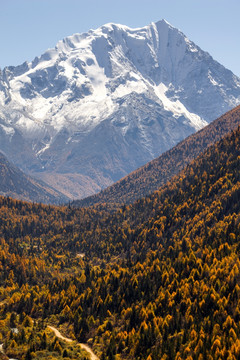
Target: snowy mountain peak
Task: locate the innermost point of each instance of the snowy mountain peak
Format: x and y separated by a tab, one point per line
119	35
152	86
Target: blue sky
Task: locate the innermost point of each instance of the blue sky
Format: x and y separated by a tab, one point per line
29	27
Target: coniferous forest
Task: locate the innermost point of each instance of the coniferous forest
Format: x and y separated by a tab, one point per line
158	279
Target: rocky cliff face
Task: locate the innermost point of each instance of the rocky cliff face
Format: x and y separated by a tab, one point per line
103	103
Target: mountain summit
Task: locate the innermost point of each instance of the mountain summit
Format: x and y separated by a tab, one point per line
102	103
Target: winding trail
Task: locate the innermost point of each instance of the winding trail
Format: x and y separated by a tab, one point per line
83	346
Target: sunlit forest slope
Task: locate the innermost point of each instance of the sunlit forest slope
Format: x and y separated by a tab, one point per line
158	279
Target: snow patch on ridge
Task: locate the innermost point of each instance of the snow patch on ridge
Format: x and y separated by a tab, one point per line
9	131
43	149
177	108
214	82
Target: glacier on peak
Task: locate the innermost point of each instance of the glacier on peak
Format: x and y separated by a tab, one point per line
137	90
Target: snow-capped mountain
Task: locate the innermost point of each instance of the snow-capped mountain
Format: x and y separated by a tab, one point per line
102	103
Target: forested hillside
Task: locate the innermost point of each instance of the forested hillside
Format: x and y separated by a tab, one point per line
156	173
158	279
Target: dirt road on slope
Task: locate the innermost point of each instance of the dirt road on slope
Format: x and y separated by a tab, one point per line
83	346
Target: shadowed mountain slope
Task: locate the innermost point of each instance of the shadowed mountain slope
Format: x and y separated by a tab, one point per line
154	174
14	183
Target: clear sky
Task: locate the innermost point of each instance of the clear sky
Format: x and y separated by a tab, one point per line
29	27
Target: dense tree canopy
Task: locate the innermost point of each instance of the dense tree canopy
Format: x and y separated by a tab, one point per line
158	279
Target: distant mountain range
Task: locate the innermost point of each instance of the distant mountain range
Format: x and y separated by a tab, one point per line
14	183
156	173
101	104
